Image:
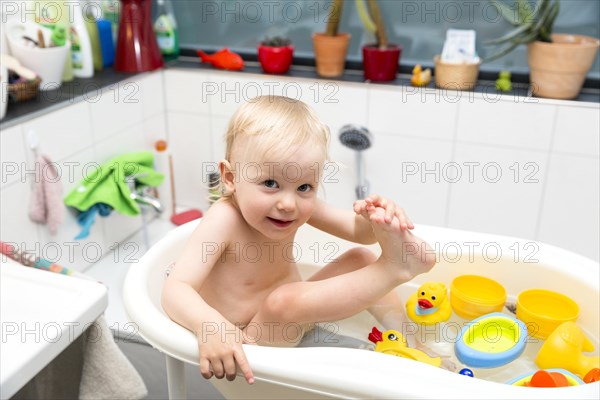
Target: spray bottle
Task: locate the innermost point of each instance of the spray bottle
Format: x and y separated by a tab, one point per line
81	47
165	28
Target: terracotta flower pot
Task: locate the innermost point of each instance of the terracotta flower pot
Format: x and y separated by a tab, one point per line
381	64
558	69
330	53
275	60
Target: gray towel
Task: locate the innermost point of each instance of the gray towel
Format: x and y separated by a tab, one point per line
107	373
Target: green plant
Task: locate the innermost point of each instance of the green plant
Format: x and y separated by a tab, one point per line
276	41
333	21
373	21
532	24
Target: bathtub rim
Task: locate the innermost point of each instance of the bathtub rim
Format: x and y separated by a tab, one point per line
179	343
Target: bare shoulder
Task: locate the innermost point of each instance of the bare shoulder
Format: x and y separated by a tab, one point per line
221	220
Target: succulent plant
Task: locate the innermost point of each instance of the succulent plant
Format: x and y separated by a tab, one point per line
532	23
276	41
373	21
333	21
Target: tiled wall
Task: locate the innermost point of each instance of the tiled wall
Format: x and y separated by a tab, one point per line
125	117
528	167
512	166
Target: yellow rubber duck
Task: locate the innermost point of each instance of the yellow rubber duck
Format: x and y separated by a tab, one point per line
419	77
393	342
429	305
564	348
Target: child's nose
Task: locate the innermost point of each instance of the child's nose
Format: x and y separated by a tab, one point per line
286	202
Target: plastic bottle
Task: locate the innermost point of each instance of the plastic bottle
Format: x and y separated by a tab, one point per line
81	47
110	11
89	18
107	45
165	28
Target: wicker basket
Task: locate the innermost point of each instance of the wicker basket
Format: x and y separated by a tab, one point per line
455	76
23	91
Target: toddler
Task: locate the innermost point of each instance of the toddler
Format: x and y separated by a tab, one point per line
276	148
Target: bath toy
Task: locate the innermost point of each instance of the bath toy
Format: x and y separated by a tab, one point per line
503	82
491	341
592	376
466	372
429	305
547	378
223	59
564	349
544	310
419	77
472	296
393	342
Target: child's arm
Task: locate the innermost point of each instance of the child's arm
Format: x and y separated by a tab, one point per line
181	301
355	226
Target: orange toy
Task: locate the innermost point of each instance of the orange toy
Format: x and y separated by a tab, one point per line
548	379
592	376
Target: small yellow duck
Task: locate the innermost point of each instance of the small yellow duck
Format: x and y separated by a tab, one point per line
393	342
429	305
419	77
564	348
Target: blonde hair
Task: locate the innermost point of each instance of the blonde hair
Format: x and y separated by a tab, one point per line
273	126
276	124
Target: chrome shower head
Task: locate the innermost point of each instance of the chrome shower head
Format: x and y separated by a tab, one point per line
355	137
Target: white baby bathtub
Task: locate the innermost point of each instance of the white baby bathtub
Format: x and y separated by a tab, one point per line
317	372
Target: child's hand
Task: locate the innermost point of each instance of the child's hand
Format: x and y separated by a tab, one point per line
392	210
220	350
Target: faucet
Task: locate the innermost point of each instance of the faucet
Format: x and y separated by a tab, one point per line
142	194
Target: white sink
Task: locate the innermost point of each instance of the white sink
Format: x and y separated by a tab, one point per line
41	313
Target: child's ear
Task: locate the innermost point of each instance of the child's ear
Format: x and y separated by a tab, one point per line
227	175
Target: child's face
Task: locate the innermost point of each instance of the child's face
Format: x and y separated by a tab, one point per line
276	197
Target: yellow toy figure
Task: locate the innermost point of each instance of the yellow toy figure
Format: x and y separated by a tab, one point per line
393	342
563	349
429	305
419	77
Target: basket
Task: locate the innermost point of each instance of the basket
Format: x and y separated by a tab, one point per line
455	76
23	91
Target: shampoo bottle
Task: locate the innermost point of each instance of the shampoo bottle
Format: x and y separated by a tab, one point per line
55	16
165	28
92	30
81	47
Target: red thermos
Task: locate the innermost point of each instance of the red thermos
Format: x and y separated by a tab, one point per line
137	49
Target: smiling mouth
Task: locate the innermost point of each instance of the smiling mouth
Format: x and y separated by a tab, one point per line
280	223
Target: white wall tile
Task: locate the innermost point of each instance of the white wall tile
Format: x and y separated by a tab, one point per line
413	173
12	153
130	139
152	94
155	128
218	129
521	125
577	131
412	112
15	226
484	201
192	155
226	92
62	133
185	91
116	108
570	214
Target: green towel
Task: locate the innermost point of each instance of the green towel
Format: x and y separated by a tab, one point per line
107	185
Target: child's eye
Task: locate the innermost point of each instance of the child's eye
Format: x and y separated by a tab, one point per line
305	188
271	184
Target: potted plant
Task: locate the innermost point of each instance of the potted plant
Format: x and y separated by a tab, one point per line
380	60
275	55
331	46
558	63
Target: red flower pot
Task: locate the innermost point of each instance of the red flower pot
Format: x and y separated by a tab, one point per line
275	60
381	65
